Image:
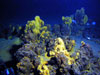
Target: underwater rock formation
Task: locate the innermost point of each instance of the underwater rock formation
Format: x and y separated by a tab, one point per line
25	67
56	30
80	17
35	31
75	24
79	21
45	53
11	31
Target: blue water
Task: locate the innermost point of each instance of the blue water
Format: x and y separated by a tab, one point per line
17	12
51	11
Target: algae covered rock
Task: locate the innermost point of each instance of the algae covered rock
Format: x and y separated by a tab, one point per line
5	46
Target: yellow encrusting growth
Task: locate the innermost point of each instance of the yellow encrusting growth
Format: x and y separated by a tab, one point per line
37	28
85	19
25	64
60	48
19	27
73	42
43	68
71	46
67	20
35	25
83	43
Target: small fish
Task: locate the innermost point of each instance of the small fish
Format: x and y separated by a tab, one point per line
7	72
94	23
12	70
88	24
74	21
88	38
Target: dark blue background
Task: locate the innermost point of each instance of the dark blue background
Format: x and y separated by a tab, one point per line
51	11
